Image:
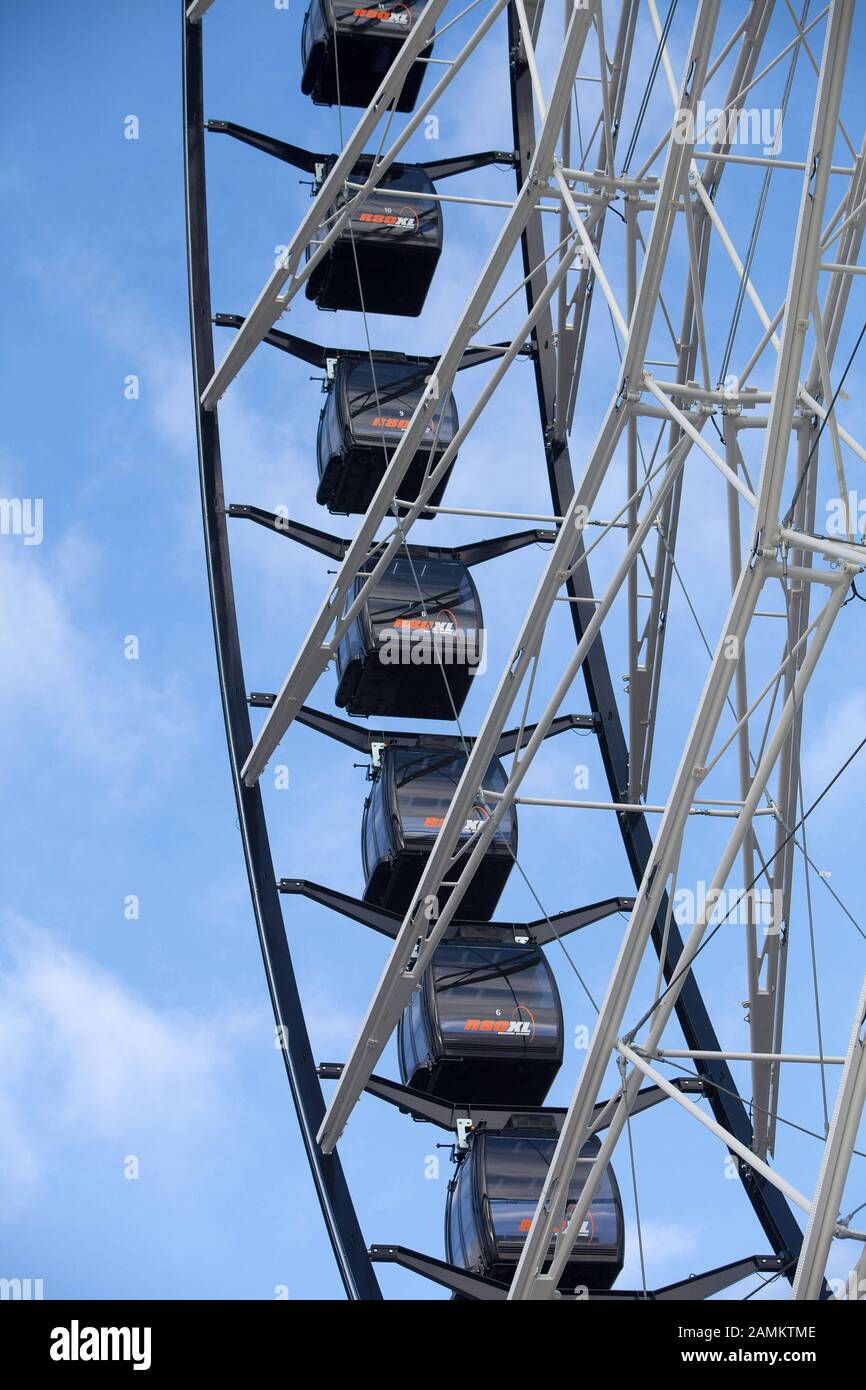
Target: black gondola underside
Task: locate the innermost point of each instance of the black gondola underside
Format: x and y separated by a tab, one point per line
347	48
384	258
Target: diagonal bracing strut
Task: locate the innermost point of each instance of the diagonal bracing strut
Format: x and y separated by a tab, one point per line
530	1281
423	925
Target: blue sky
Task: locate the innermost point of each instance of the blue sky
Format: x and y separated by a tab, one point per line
152	1037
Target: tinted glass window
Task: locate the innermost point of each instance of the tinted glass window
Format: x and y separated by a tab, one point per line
376	838
502	995
444	587
426	612
471	1238
330	436
515	1170
382	399
336	434
455	1241
426	782
353	643
383	828
368	844
314	26
413	1034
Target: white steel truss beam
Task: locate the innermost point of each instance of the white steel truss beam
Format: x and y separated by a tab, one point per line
412	952
315	653
271	303
800	1057
423	921
734	1144
769	324
358	557
529	1282
835	1162
735	102
783	552
767	968
647	641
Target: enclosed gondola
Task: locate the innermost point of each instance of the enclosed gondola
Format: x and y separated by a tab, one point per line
415	644
493	1197
383	259
486	1025
368	408
347	48
411	793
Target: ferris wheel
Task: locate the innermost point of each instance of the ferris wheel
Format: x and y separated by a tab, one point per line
688	303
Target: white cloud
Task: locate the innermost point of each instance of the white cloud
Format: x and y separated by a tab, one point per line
665	1244
90	286
268	455
87	1061
21	1165
333	1028
827	746
101	710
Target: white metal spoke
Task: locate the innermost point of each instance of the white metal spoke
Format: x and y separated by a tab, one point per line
309	663
850	1100
390	994
550	1210
709	781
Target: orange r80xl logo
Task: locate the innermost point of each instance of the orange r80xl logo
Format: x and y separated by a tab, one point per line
403	222
517	1028
399	15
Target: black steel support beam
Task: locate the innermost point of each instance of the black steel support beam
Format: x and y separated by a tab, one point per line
376	918
475	1286
540	932
335	547
314	354
322	541
459	1281
465	163
359	737
476	552
447	1114
308	160
268	144
317	355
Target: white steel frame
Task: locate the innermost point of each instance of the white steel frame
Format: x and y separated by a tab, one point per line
784	549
